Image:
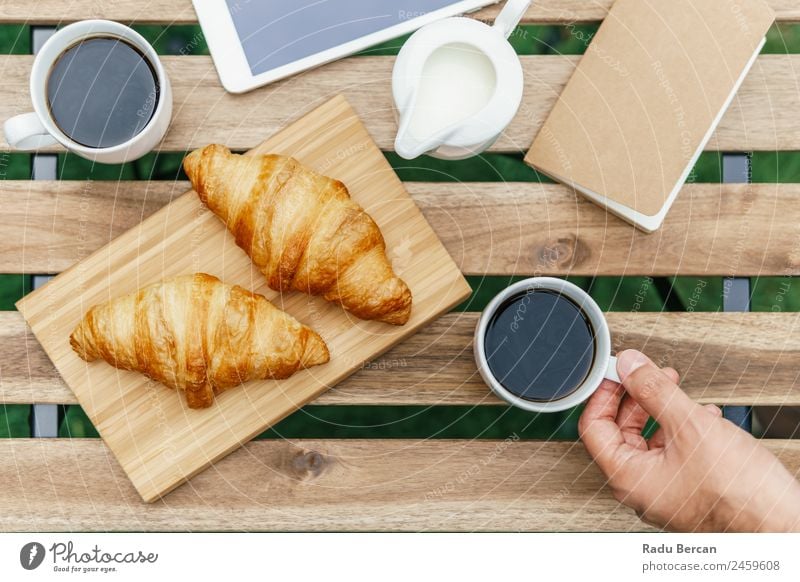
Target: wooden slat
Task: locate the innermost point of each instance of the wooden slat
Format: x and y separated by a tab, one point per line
724	358
762	117
324	485
488	228
50	225
318	485
181	12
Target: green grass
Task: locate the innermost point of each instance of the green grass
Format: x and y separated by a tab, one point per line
612	293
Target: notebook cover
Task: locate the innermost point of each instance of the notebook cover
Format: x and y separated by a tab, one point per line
646	96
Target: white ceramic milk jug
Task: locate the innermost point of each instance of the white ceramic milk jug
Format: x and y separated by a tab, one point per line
457	83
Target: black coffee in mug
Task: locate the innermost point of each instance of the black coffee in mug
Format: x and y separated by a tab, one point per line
540	345
102	92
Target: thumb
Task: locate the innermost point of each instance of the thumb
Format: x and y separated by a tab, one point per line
653	389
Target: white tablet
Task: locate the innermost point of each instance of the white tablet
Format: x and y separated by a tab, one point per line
254	42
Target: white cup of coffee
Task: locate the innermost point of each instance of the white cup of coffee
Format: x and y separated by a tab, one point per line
99	89
543	345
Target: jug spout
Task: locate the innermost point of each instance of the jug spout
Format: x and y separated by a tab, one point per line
409	146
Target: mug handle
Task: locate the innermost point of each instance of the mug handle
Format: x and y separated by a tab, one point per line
510	16
26	132
611	370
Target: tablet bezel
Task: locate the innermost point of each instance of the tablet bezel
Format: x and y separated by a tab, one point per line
231	63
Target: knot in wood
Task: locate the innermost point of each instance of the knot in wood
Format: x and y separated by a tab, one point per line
309	464
563	252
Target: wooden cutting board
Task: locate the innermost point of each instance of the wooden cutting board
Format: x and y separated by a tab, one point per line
157	439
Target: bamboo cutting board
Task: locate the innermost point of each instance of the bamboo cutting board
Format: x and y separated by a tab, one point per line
157	439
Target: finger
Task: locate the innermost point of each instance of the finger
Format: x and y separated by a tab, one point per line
672	373
659	438
631	417
598	427
654	390
604	403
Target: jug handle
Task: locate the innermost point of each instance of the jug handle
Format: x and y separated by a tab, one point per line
510	15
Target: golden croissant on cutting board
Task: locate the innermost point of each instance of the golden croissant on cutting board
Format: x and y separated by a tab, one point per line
302	230
196	334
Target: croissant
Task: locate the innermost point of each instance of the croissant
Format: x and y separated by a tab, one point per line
302	230
195	333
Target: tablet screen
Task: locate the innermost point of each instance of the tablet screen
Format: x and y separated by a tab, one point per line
277	32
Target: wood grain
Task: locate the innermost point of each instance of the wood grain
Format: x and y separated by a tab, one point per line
156	438
488	228
762	116
181	11
724	358
396	485
319	485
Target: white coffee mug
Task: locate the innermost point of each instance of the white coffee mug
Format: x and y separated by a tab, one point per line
604	365
31	131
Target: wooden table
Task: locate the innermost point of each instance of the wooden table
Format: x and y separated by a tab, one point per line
731	230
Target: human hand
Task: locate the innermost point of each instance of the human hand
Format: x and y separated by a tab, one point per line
698	472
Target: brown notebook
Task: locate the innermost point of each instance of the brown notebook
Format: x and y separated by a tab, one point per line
645	99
